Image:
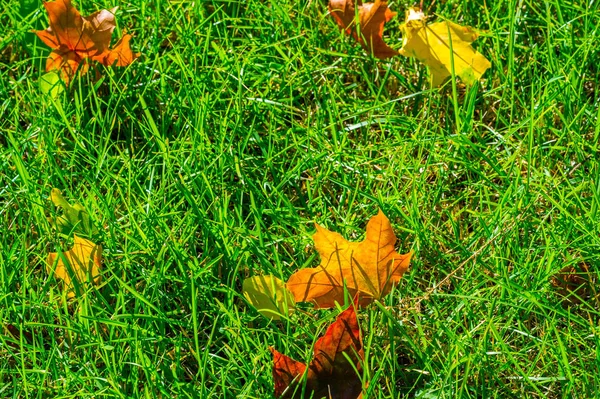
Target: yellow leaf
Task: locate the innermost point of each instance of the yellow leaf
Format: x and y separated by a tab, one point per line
75	219
269	296
368	268
82	262
430	44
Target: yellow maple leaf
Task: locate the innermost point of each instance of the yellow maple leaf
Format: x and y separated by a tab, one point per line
431	45
82	262
368	268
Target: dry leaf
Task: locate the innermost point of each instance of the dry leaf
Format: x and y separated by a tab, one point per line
574	283
335	369
83	263
369	268
371	17
76	39
120	55
269	296
430	44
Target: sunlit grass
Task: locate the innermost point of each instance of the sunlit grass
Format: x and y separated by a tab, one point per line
242	123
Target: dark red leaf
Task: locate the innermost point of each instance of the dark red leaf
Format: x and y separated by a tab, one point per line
334	372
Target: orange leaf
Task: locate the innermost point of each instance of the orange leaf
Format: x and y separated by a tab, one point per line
75	38
371	17
368	268
120	55
65	61
83	262
335	367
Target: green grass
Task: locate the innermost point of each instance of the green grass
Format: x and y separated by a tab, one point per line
244	122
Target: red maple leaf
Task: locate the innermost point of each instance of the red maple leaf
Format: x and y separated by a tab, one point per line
335	369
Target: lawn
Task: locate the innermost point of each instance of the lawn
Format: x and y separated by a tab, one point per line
243	123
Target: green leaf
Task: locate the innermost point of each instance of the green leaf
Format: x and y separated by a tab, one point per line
51	84
269	296
75	218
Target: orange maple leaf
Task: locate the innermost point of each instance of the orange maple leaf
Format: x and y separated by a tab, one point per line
371	17
334	370
369	268
75	39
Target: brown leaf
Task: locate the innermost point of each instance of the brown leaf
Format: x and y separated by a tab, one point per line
371	17
75	38
369	268
83	263
574	283
335	369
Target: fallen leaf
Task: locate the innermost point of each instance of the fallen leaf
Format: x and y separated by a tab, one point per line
574	283
371	19
75	218
76	39
269	296
430	44
335	369
121	54
50	84
369	268
81	263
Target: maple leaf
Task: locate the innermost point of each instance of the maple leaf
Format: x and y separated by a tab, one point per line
371	18
430	44
81	263
76	39
74	219
269	296
369	268
335	369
